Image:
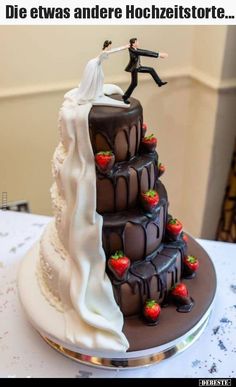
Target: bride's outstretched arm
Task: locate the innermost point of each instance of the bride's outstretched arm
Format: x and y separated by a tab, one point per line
117	49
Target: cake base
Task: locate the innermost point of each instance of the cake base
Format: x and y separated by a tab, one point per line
132	359
148	344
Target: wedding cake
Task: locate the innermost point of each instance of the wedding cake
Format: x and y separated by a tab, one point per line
113	254
113	273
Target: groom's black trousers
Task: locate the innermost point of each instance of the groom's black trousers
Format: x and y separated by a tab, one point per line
134	79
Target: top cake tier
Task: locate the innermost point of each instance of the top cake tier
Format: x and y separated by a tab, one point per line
117	129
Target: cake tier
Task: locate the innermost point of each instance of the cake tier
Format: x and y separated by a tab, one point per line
135	232
117	129
150	279
52	257
120	189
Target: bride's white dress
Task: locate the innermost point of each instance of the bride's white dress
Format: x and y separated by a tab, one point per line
91	88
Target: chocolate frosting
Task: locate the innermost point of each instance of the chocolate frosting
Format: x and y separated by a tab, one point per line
137	233
117	129
120	189
173	324
151	278
156	261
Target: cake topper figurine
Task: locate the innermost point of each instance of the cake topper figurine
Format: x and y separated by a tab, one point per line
92	88
134	67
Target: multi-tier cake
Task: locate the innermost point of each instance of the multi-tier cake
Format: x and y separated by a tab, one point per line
114	269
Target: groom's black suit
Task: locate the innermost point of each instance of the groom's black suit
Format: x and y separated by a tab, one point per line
134	67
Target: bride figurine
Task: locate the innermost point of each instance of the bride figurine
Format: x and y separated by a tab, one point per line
92	89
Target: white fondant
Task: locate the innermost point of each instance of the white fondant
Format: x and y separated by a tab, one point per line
109	89
91	292
107	101
102	100
53	300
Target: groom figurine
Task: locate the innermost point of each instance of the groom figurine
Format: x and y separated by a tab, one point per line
134	67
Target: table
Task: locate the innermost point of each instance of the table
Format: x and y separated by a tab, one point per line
24	354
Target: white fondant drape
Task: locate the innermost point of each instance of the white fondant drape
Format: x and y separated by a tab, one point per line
93	319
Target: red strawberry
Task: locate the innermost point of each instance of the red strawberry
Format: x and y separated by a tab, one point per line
149	200
174	227
161	169
144	129
149	143
185	238
119	264
104	161
180	296
151	311
179	290
191	263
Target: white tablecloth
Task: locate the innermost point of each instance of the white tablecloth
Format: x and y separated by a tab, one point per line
24	354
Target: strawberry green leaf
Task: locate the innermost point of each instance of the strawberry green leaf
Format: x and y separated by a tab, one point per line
118	254
104	153
151	193
150	303
149	137
191	259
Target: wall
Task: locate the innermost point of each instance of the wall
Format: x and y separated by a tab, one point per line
53	57
224	138
40	63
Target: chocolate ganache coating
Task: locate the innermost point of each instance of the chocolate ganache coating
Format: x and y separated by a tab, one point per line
120	189
117	129
156	263
149	279
134	231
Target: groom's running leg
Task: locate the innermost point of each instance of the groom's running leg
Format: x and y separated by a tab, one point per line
152	72
133	84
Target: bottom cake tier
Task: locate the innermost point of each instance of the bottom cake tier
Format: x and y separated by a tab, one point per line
148	344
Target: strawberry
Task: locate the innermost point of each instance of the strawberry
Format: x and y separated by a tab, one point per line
174	227
149	200
104	161
191	263
180	296
149	143
144	127
179	290
119	264
185	238
161	169
151	311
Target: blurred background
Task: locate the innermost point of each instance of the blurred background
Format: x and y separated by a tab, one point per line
194	116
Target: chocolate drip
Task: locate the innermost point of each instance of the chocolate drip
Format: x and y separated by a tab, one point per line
108	122
139	233
179	244
176	276
122	170
130	235
147	279
187	306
